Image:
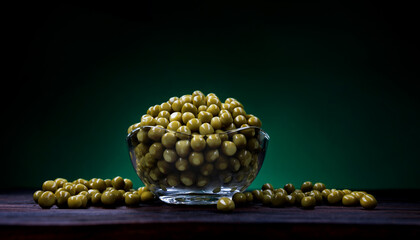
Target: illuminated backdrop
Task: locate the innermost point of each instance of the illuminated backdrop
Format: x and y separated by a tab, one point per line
331	85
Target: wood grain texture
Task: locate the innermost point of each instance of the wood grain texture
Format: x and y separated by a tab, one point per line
21	218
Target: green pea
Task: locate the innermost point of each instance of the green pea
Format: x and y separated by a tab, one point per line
289	188
61	198
225	204
37	194
358	194
349	200
279	199
368	201
86	194
280	190
118	182
325	194
92	191
257	195
308	202
267	199
228	148
74	202
334	197
147	196
299	196
267	186
268	192
319	186
70	187
84	200
49	185
81	181
46	200
187	178
96	198
317	195
346	191
98	184
306	186
290	200
120	195
249	196
132	199
239	199
109	198
60	182
108	182
80	187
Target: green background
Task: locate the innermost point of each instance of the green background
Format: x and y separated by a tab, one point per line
332	85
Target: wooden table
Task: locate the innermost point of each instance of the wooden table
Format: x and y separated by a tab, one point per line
398	214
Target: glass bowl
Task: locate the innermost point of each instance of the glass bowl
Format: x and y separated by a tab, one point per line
197	169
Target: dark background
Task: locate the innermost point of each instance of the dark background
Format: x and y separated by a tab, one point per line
334	84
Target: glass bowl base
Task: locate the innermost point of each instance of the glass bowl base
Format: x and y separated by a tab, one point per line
194	198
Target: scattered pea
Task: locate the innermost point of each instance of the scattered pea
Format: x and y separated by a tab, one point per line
96	198
128	184
325	194
298	196
279	199
368	201
306	186
349	200
36	195
289	188
102	192
83	198
319	186
267	186
132	199
108	182
86	194
118	182
225	204
109	198
147	196
334	197
346	191
290	200
268	192
49	185
249	196
317	195
47	199
74	202
60	182
99	184
70	187
358	194
257	195
308	202
267	199
239	199
61	198
80	187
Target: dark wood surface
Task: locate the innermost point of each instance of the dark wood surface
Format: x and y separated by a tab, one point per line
398	214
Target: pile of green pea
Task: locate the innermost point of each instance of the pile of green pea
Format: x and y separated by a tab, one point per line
308	196
82	193
188	141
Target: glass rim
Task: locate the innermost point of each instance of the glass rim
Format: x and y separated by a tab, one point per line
134	131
